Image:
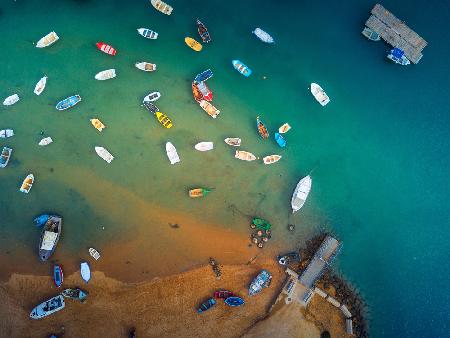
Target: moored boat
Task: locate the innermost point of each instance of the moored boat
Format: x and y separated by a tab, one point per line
271	159
162	7
5	133
85	272
204	146
50	235
47	40
223	294
172	153
280	140
104	154
41	220
244	155
261	281
198	96
209	109
163	119
203	32
152	97
195	45
206	305
40	86
148	33
76	294
261	128
105	48
145	66
105	74
151	107
233	141
301	193
10	100
97	124
234	301
284	128
263	36
69	102
58	276
319	94
45	141
48	307
242	68
27	184
398	56
198	192
205	91
288	258
94	253
204	76
5	156
370	34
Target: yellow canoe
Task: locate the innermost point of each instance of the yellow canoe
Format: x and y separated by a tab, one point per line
98	124
163	119
193	44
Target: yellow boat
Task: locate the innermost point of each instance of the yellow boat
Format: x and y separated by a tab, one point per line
98	124
163	119
193	44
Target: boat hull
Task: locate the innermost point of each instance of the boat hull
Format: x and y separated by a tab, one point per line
164	120
280	140
162	7
48	307
47	40
50	237
206	305
234	301
105	48
233	141
172	153
85	272
301	193
27	184
203	32
262	128
69	102
319	94
204	146
242	68
58	276
5	156
194	45
40	86
261	281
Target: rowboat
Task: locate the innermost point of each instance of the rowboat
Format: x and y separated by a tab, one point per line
164	119
233	141
244	155
153	96
234	301
284	128
27	184
319	94
94	253
40	86
85	271
49	237
261	128
271	159
198	192
10	100
97	124
172	153
259	282
206	92
203	32
76	294
106	74
148	33
152	108
370	34
105	48
241	68
45	141
47	40
5	133
204	76
223	294
145	66
204	146
193	44
198	96
5	156
263	36
69	102
209	109
280	140
206	305
48	307
58	275
301	193
104	154
162	7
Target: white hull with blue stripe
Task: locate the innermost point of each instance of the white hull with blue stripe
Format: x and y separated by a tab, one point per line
148	33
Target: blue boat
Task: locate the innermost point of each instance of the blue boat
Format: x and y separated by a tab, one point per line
58	275
280	140
69	102
241	68
41	220
398	56
234	301
206	305
261	281
203	76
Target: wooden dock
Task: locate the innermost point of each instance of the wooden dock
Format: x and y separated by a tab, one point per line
396	33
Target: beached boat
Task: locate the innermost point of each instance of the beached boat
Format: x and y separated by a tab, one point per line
94	253
197	46
105	74
301	193
76	294
69	102
10	100
223	294
148	33
47	40
233	141
163	119
172	153
5	156
85	271
284	128
151	107
234	301
261	128
204	146
40	86
261	281
209	109
280	140
49	237
162	7
204	76
198	192
242	68
198	96
263	36
27	184
145	66
48	307
206	305
398	56
45	141
97	124
244	155
104	154
271	159
105	48
5	133
319	94
152	97
203	32
58	276
370	34
41	220
205	91
288	258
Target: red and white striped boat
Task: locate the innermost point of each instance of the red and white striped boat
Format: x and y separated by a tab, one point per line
106	48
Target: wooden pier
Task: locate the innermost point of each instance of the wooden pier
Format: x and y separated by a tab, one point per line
396	33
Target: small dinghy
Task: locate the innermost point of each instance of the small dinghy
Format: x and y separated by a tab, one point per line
198	96
172	153
41	220
76	294
48	307
145	66
152	97
207	94
261	128
151	107
49	237
206	305
5	156
203	32
105	48
319	94
209	109
94	253
234	301
204	146
284	128
233	141
85	272
197	46
242	68
163	119
105	74
58	276
198	192
5	133
27	184
104	154
204	76
40	86
263	36
301	193
47	40
271	159
280	140
261	281
45	141
97	124
223	294
10	100
69	102
398	56
244	155
162	7
148	33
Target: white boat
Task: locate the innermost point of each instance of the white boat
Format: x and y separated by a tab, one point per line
40	86
162	6
45	141
5	133
27	184
5	155
48	307
301	193
94	253
106	74
10	100
204	146
263	36
244	155
153	96
172	153
145	66
319	94
85	272
104	154
284	128
148	33
233	141
47	40
209	109
271	159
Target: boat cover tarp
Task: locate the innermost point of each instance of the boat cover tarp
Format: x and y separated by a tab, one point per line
397	52
49	240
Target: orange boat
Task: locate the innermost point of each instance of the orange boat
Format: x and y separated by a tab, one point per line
262	128
198	96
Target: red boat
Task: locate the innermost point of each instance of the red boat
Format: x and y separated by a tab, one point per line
106	48
223	294
206	92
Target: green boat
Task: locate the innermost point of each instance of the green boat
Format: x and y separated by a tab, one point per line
259	223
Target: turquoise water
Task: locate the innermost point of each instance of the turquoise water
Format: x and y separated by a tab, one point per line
379	150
